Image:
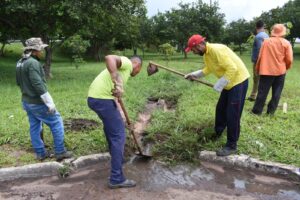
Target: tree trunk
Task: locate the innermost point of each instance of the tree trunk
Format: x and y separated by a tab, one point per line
48	57
94	50
103	51
240	47
134	51
2	49
47	66
293	42
143	50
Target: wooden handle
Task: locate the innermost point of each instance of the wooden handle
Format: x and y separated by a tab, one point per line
124	111
182	74
128	122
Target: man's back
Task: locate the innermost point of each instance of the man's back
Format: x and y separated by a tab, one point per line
31	79
258	40
102	85
276	56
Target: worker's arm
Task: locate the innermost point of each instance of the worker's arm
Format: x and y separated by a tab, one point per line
225	61
113	63
289	56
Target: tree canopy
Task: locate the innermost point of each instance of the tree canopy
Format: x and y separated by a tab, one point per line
120	24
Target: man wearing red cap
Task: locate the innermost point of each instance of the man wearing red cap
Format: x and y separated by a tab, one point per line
232	83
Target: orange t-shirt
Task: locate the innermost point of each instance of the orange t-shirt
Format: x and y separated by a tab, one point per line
275	57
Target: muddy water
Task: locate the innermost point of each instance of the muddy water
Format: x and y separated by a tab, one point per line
143	121
156	181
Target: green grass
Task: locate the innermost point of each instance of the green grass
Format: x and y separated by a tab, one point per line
179	134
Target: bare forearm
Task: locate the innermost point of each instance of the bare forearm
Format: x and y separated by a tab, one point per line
113	63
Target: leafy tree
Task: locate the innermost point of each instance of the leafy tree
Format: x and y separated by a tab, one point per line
291	14
75	47
25	19
167	50
108	23
177	25
101	21
238	33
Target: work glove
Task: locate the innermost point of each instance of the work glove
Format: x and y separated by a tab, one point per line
194	75
118	86
220	84
47	99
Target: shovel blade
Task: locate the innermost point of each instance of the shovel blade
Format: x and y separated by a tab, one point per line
152	69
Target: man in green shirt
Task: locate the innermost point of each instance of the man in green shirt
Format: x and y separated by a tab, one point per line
107	86
37	101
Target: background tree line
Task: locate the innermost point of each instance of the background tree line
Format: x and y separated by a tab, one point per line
96	27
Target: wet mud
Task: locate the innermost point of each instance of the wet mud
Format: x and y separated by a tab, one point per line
80	124
157	181
143	121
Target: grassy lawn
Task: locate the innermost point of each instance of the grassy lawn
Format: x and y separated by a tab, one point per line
179	134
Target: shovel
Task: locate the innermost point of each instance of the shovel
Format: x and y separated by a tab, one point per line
153	68
140	152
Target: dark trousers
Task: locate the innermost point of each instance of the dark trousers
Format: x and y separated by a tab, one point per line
229	111
114	130
265	83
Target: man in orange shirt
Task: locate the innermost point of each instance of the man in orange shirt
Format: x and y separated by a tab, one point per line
275	58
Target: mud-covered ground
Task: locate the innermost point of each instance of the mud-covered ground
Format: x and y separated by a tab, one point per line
156	181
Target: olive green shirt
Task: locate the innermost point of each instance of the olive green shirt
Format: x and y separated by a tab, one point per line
31	80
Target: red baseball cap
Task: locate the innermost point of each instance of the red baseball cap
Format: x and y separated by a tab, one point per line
193	41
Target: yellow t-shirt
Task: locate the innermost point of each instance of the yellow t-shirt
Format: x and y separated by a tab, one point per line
102	85
222	61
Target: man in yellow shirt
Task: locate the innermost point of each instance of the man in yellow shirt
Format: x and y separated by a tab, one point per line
232	83
107	86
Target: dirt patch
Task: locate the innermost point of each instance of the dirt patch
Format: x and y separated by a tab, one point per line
161	137
80	124
165	104
144	119
14	155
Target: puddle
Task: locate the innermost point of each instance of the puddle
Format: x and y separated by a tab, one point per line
157	181
239	184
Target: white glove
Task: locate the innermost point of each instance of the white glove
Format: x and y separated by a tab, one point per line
47	99
194	75
220	84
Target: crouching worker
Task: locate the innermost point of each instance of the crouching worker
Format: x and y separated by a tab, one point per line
232	83
37	101
107	86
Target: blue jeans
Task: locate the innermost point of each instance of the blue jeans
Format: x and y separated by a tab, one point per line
229	111
114	130
38	114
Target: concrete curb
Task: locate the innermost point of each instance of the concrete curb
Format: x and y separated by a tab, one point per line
85	161
29	171
245	161
50	168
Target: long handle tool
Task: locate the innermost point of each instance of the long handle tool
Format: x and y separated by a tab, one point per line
140	152
153	68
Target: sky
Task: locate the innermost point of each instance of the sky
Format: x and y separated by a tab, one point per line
233	9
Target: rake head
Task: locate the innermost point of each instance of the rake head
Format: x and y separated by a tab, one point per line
152	69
